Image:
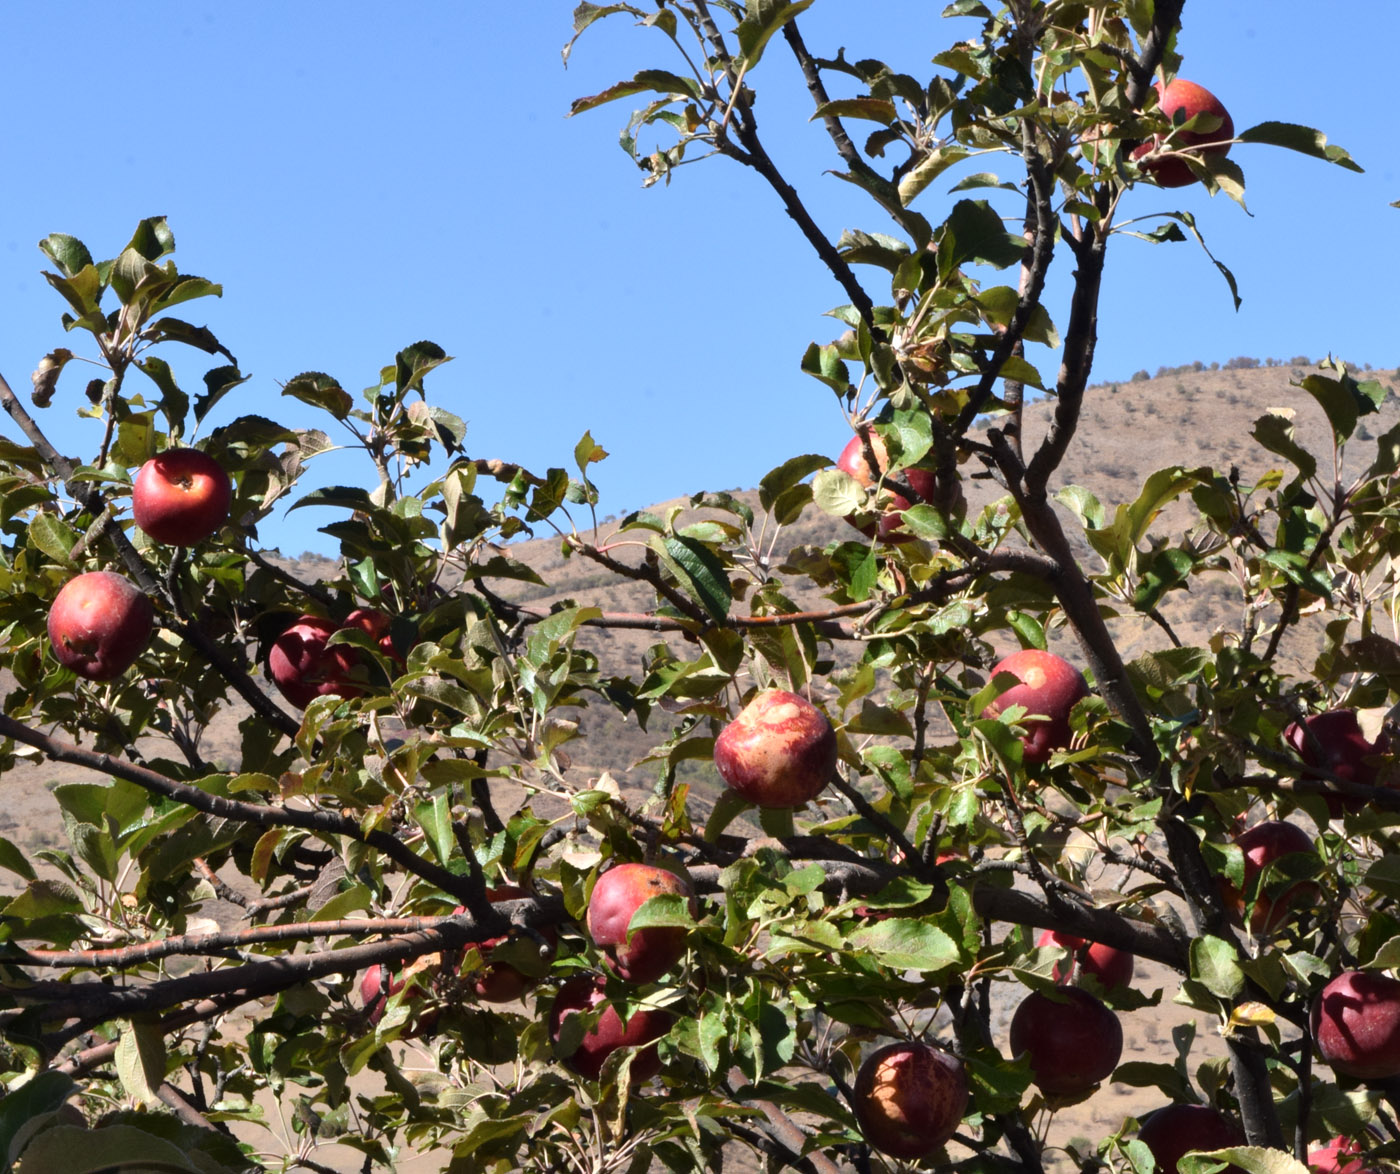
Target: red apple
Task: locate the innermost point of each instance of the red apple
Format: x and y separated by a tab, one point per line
375	624
181	496
909	1098
99	623
1073	1040
1111	966
1263	844
1356	1025
779	752
1337	1157
377	984
583	993
1176	1130
1333	742
617	894
500	982
1050	686
853	461
303	667
1181	101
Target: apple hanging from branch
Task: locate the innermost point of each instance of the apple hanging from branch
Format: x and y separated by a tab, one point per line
99	623
779	752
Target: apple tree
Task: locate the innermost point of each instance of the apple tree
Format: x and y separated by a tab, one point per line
880	768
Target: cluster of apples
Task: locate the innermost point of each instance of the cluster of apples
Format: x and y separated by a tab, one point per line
100	622
643	955
494	981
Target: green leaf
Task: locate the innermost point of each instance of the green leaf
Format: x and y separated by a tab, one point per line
33	1099
218	382
350	497
975	232
667	910
1215	967
320	391
787	475
647	81
434	816
53	536
587	452
1298	138
1249	1158
762	19
930	166
140	1060
200	337
152	239
700	573
44	898
879	110
13	859
412	364
67	252
1342	400
74	1149
905	944
825	363
1275	432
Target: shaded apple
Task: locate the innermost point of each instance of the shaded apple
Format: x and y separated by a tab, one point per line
99	623
498	981
181	496
375	624
1176	1130
1050	686
377	985
1111	966
1356	1025
1262	845
584	993
908	1098
617	894
854	461
1072	1039
1181	101
304	667
1333	742
779	752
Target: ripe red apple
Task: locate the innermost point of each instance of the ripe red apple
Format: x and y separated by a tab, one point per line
583	993
1111	966
377	984
908	1098
1181	101
99	623
375	624
1333	742
1073	1040
181	496
1174	1131
1337	1157
617	894
779	752
304	667
500	982
853	461
1263	844
1050	686
1356	1025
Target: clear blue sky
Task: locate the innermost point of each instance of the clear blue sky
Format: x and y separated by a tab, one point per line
362	175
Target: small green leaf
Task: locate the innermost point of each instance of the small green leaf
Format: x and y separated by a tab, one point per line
1215	967
140	1060
905	944
879	110
787	475
701	574
762	19
320	391
665	910
67	252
